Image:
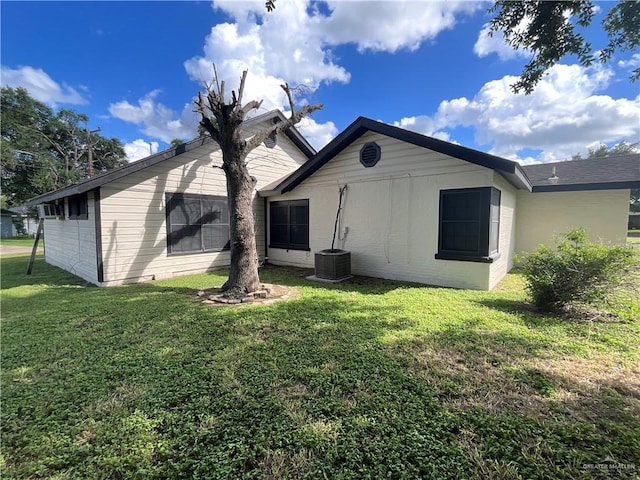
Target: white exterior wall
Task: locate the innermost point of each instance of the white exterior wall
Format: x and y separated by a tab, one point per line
390	214
541	216
134	239
71	244
507	240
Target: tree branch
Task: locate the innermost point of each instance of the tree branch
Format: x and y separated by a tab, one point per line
280	127
252	105
287	90
241	89
53	144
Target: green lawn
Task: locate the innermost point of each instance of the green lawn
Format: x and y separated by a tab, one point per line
366	379
18	242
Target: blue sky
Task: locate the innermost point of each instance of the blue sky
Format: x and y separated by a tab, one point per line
135	67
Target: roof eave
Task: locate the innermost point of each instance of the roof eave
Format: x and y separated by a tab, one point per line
99	180
574	187
121	172
510	169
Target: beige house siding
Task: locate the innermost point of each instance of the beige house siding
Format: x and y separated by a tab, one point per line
390	215
541	216
71	244
134	240
507	240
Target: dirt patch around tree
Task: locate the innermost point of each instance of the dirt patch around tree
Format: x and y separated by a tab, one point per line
268	294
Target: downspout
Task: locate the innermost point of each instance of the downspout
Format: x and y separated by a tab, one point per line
98	231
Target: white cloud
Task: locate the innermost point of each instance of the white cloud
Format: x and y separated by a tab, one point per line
317	134
390	26
140	148
563	116
633	62
294	44
40	85
488	44
157	120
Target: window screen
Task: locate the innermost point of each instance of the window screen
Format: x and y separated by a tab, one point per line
78	208
289	224
469	223
197	223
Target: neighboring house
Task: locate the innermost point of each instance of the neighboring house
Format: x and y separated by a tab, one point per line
7	228
161	216
415	208
424	210
634	221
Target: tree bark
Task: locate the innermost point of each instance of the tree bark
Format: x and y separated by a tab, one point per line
223	121
243	272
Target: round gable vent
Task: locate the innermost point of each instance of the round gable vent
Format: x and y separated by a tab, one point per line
369	154
271	140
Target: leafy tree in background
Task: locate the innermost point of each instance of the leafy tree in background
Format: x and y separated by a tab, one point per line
175	142
42	150
548	29
603	150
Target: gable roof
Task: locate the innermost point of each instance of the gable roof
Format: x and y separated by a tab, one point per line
86	185
511	170
620	171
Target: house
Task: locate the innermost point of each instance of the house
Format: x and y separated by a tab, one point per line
161	216
407	207
7	228
424	210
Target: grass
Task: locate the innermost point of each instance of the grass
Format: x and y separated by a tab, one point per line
18	242
366	379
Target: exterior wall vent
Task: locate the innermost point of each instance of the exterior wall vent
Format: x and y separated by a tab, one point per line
271	141
369	154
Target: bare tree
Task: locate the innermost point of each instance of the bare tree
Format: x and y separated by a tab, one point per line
224	122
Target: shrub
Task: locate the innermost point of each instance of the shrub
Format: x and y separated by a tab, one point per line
576	271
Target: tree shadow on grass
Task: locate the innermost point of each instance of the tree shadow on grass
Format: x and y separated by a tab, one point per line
299	389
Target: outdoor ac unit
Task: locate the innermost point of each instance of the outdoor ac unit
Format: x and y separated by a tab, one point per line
333	264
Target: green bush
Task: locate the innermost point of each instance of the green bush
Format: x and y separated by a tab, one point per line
576	271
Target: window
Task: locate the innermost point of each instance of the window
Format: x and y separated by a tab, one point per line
289	225
78	209
50	210
197	223
469	224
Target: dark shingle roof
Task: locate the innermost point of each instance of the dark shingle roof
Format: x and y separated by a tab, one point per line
138	165
620	171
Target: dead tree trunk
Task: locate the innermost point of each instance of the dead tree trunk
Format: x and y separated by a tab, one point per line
223	121
243	271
